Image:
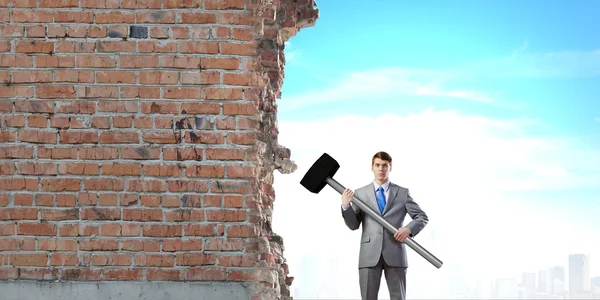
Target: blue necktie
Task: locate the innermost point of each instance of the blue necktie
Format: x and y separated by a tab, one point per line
380	199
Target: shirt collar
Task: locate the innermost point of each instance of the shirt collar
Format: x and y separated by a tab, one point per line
385	186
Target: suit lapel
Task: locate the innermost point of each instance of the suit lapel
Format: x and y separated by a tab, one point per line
372	198
393	192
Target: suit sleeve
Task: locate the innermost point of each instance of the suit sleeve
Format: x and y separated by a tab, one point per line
419	217
352	217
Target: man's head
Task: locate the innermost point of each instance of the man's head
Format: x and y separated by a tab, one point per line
381	165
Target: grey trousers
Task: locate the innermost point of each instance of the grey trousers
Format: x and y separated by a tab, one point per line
370	279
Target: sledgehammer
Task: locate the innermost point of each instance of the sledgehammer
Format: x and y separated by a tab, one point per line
321	173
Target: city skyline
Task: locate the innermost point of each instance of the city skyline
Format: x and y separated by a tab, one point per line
526	286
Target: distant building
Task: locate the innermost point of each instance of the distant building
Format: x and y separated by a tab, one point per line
557	280
506	288
595	286
579	275
544	285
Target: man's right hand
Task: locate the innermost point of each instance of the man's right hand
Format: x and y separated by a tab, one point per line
347	197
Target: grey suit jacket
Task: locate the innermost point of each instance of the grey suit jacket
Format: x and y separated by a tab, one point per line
375	240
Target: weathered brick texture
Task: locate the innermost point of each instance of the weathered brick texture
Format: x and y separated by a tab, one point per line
138	139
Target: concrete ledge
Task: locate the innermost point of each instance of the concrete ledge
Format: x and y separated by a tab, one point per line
117	290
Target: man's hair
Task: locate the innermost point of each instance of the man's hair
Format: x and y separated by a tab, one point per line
383	156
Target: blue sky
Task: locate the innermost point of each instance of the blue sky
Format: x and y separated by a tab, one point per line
489	108
553	77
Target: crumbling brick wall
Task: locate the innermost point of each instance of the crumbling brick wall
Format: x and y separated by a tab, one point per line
138	139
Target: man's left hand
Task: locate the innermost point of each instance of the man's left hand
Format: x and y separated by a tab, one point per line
402	233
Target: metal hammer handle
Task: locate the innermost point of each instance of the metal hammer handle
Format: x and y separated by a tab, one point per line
387	225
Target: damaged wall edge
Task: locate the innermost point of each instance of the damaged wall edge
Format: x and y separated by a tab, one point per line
276	22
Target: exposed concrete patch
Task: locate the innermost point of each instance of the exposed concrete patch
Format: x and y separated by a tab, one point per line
120	290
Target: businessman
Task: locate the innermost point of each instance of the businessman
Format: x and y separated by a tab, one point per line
381	251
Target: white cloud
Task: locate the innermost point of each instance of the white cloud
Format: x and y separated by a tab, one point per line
394	82
528	63
385	83
458	168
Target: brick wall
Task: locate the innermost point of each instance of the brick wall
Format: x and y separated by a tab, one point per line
138	139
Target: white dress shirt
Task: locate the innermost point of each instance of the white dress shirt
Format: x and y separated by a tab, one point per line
386	192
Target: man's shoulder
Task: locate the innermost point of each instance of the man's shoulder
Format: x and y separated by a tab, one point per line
365	188
399	187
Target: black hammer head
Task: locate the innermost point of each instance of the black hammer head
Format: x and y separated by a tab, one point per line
314	179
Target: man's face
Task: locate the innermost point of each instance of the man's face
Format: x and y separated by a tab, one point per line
381	169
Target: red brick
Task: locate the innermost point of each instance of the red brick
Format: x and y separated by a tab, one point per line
116	46
59	214
119	137
100	153
57	31
122	169
182	245
32	16
58	3
8	273
206	274
146	185
32	76
55	62
36	229
183	3
115	77
15	92
165	275
237	49
199	47
142	215
221	63
60	91
27	260
195	259
115	17
223	4
207	171
162	230
18	3
202	230
111	260
80	274
17	244
100	214
123	274
185	215
180	32
140	153
180	62
73	16
159	32
154	260
103	184
105	244
181	93
53	244
235	18
60	259
28	184
201	78
156	17
96	62
159	77
60	184
17	61
103	4
44	200
198	18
